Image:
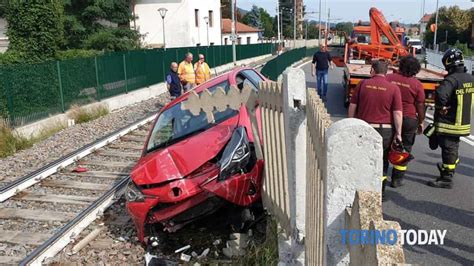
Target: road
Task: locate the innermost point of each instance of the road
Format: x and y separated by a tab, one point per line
418	206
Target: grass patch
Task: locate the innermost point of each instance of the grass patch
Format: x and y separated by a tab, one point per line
83	115
12	142
265	253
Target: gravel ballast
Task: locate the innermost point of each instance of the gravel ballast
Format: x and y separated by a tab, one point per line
73	138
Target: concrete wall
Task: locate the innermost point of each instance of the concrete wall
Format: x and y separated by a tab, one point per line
301	43
180	28
121	101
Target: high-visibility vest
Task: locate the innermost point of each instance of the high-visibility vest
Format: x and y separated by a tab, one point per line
203	73
186	72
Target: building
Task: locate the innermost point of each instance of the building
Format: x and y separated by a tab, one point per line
3	35
424	22
245	33
186	23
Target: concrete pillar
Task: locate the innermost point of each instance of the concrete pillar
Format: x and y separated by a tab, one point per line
294	115
354	162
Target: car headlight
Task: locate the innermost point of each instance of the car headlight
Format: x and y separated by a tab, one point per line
133	193
236	154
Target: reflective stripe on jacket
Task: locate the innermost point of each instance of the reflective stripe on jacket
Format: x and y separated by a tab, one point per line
456	93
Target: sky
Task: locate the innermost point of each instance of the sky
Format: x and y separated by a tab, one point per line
405	11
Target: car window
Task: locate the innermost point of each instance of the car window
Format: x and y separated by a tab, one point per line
242	80
253	76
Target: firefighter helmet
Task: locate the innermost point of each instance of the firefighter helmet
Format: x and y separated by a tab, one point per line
398	155
452	57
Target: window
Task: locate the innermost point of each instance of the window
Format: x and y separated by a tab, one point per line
225	41
196	17
211	18
211	43
239	40
253	76
248	40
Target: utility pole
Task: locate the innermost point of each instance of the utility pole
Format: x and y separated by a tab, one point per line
234	37
294	25
319	26
278	21
435	47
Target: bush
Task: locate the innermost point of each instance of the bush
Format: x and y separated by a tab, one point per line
11	142
76	53
83	115
109	39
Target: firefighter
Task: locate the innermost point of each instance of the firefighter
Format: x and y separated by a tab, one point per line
413	100
379	103
452	117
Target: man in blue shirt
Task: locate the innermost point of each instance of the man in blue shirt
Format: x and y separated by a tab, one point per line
321	61
172	81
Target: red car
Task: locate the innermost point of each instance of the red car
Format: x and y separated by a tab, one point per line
190	167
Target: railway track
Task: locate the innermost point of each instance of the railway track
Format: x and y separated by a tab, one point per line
41	212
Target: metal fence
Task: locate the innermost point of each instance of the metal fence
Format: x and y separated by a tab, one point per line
276	66
434	58
32	92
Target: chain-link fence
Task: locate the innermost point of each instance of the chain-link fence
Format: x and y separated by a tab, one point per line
32	92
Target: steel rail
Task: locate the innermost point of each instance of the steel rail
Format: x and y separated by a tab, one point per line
16	186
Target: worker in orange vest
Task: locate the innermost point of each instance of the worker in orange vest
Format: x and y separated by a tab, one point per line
202	70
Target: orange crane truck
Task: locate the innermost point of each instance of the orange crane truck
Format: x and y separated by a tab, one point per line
384	43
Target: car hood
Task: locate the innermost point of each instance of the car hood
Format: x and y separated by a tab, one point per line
180	159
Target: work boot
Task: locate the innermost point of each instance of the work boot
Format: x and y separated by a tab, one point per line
444	181
397	178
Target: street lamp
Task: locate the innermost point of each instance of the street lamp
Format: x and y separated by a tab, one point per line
162	12
206	19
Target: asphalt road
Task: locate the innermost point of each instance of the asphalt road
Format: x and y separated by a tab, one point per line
418	206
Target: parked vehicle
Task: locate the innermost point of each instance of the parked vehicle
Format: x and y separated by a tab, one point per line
416	45
190	167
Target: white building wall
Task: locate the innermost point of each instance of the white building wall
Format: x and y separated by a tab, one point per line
180	29
253	38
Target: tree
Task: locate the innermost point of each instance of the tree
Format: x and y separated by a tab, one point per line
226	11
96	21
346	27
269	28
253	18
35	28
455	21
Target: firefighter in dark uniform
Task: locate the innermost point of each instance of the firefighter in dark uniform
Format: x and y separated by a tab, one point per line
452	118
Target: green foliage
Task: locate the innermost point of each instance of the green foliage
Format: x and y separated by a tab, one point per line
83	115
35	28
260	19
464	48
90	22
11	142
76	53
253	18
346	27
265	253
112	40
455	21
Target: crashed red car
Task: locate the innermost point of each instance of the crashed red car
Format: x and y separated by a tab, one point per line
190	167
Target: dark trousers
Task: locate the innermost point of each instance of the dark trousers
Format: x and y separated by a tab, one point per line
449	148
387	136
409	127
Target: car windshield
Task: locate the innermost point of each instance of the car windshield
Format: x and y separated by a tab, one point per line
415	43
175	124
